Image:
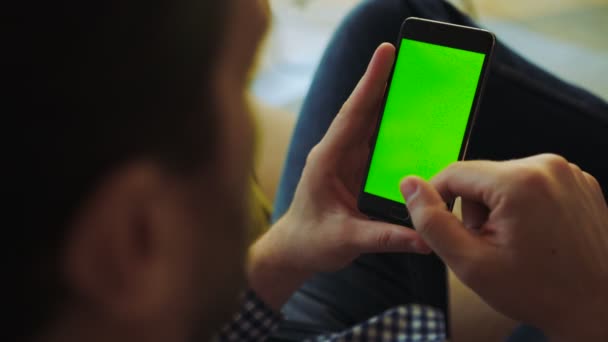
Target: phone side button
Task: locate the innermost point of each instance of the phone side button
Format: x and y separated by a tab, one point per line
400	213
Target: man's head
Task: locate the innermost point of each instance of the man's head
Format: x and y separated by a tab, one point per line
128	165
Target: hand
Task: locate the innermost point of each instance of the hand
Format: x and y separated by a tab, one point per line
534	242
323	231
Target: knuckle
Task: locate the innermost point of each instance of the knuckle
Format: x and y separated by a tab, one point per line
557	164
575	168
592	181
533	178
384	239
312	155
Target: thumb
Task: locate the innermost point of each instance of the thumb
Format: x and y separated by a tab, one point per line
439	228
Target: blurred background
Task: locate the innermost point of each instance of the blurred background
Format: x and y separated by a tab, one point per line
567	37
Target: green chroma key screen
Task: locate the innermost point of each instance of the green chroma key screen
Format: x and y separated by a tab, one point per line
425	118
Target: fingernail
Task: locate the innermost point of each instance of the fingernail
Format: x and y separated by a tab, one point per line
409	188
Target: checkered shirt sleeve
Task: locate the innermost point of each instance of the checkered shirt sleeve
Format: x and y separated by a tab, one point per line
255	322
404	324
408	323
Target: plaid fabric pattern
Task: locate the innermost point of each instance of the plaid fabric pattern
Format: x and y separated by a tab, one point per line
404	324
255	322
408	323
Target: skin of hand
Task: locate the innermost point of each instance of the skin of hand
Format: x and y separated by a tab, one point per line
533	242
323	230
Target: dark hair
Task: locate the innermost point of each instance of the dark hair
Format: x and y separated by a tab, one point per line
89	86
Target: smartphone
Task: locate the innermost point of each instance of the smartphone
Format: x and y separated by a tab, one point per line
428	111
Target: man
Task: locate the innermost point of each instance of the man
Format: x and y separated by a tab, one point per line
132	151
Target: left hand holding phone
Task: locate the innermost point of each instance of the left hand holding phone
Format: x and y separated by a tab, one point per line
323	230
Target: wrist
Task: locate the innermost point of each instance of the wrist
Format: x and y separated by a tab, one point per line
272	268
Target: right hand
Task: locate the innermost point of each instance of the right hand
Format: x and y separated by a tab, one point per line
533	242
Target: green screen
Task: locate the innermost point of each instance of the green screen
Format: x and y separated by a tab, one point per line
427	109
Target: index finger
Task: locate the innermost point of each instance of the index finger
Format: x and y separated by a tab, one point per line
471	180
359	112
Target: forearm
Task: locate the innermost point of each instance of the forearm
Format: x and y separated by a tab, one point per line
271	269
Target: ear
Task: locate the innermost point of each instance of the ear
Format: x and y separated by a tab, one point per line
126	245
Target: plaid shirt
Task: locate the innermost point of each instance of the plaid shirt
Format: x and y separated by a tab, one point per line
256	322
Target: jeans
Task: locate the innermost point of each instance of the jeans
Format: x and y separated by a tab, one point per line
524	111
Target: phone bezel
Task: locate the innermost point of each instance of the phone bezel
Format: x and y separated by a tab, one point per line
439	33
